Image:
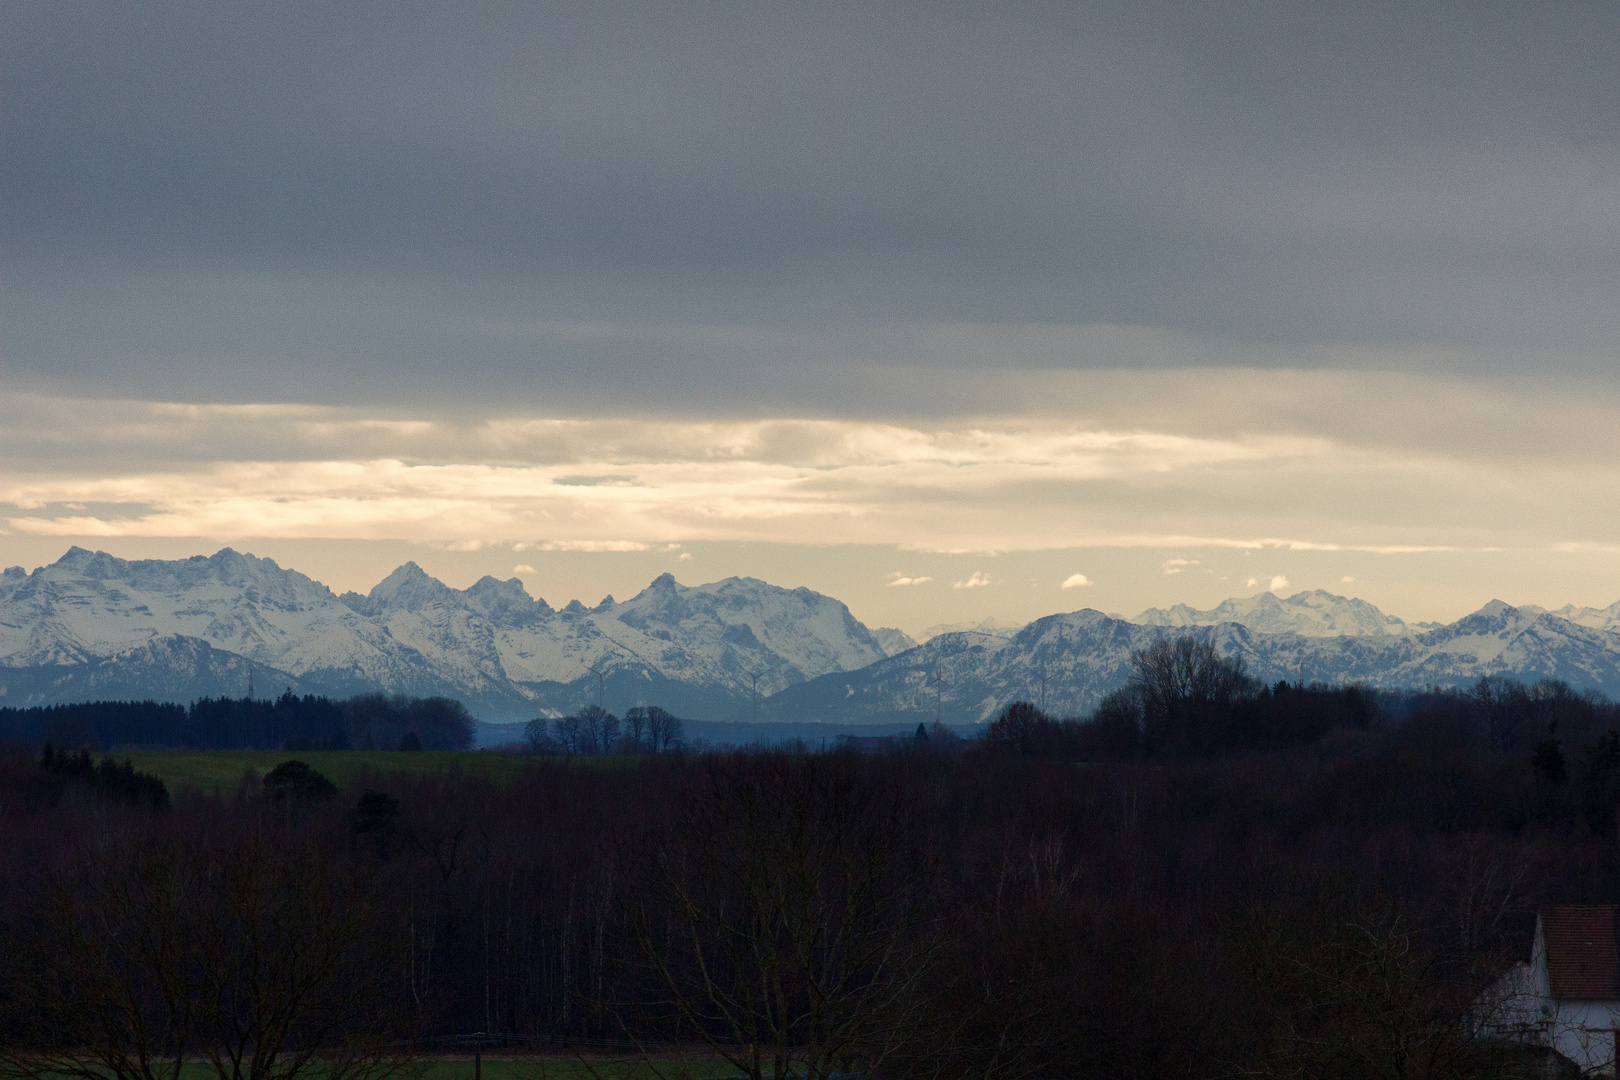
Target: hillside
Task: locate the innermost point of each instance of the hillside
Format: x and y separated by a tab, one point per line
1070	662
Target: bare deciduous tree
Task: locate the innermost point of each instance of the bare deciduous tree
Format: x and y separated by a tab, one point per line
296	971
109	971
1182	686
254	952
664	729
783	917
1367	997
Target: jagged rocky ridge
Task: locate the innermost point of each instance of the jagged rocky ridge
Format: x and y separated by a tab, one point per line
92	626
1315	613
1607	618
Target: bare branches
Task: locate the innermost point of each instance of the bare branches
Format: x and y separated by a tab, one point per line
793	939
248	948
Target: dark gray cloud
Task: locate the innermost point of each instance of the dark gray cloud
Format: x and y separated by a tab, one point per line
716	205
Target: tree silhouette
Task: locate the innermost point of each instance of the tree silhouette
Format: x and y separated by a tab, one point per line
1188	694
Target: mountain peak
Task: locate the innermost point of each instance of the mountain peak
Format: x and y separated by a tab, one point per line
1604	618
1312	613
661	594
75	558
409	586
992	626
229	557
504	601
894	641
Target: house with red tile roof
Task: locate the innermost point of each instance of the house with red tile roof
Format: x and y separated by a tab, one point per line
1567	997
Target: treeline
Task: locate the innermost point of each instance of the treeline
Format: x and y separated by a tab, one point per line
645	729
1328	910
1185	700
369	722
109	777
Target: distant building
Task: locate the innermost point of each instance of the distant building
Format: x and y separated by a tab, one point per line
1567	998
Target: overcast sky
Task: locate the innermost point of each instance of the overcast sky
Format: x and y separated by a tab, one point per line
823	292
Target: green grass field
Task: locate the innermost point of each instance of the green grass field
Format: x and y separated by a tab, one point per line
222	770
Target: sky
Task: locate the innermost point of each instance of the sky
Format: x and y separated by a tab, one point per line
949	311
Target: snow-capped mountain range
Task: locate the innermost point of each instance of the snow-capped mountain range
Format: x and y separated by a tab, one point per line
1068	663
1607	618
93	626
70	628
1313	614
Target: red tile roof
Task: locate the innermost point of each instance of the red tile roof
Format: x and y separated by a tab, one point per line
1583	955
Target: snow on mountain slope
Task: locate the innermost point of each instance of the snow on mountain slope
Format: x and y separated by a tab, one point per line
92	625
1070	662
1499	639
966	676
892	641
89	604
492	645
1314	614
449	630
740	626
720	633
174	668
1606	618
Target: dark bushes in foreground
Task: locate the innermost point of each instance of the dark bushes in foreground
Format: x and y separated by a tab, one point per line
120	781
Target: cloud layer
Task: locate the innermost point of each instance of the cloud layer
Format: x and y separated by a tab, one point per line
626	484
593	280
615	208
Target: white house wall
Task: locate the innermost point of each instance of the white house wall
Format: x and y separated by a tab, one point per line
1583	1031
1521	1007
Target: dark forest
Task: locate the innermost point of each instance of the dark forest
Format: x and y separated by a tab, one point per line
310	722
